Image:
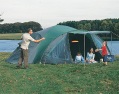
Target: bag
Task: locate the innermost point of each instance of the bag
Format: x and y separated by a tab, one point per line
110	58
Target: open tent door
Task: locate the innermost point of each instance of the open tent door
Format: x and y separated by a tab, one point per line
77	44
86	41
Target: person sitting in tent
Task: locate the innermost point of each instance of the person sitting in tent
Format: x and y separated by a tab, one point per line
91	56
79	58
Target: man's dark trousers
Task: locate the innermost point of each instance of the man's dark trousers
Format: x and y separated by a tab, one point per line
23	58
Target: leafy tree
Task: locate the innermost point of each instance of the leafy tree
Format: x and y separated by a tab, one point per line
19	27
80	26
116	27
87	26
101	25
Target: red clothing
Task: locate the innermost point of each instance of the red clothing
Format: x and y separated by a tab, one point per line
104	50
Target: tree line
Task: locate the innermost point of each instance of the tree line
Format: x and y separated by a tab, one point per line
19	27
92	25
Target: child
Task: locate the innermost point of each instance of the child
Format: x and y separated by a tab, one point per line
104	52
79	58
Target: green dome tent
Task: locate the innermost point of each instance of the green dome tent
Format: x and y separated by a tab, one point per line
58	46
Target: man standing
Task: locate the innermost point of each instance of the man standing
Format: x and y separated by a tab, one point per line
26	38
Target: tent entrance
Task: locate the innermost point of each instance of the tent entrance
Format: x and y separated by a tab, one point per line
77	44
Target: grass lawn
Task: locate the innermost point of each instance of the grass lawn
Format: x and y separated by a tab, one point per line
11	36
59	79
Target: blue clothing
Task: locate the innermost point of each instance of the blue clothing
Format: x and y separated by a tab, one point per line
79	59
90	56
105	58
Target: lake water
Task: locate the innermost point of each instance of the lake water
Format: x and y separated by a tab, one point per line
10	46
114	46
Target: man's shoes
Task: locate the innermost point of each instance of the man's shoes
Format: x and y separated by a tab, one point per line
19	67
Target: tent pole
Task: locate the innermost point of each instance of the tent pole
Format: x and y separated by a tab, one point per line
84	49
111	42
64	55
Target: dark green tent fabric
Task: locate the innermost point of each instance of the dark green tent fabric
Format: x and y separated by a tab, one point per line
50	34
56	48
58	51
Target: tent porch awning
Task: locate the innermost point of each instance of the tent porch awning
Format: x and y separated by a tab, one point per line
89	32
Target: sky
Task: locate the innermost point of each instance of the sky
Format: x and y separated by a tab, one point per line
50	12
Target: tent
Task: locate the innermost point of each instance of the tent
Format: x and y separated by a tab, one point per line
58	46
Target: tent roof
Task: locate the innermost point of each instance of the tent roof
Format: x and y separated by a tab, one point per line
89	32
50	34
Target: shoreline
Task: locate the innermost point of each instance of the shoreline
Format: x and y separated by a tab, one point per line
11	36
9	39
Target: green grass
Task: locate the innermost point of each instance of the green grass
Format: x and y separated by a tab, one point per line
59	79
11	36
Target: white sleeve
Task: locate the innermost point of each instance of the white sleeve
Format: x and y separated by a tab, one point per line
30	38
93	56
87	56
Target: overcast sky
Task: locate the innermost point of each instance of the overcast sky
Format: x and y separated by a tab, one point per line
51	12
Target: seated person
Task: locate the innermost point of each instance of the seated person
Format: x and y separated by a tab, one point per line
79	58
91	56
